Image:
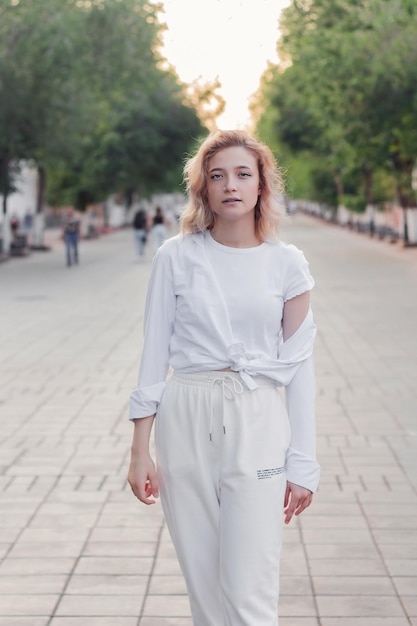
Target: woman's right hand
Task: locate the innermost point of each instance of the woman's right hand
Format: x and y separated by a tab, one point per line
142	474
142	478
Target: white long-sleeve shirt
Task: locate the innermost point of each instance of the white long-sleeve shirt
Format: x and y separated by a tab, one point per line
210	307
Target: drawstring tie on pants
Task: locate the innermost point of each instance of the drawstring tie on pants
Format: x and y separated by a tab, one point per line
230	387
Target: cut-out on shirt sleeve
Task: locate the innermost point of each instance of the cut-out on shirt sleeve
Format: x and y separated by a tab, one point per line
158	327
298	279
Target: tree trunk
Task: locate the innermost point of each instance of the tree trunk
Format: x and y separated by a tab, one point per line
369	196
339	188
405	192
403	203
5	233
369	190
41	188
339	183
129	197
4	177
39	219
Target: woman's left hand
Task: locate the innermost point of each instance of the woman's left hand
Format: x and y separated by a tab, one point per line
296	500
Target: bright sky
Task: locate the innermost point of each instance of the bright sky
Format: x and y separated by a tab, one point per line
229	39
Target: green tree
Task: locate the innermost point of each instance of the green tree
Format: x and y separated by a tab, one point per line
84	96
347	94
143	122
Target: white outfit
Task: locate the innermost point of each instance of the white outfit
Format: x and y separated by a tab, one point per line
225	443
223	497
198	317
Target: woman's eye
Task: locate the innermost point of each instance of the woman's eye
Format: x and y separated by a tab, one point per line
215	177
244	174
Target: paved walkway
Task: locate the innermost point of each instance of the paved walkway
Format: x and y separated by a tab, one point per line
78	550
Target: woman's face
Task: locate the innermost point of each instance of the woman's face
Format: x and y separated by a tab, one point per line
233	184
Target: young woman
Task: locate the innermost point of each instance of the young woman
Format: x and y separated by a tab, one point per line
228	310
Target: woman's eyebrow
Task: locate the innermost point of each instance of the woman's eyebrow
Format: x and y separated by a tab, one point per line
237	167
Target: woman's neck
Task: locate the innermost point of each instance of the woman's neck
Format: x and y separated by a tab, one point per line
235	237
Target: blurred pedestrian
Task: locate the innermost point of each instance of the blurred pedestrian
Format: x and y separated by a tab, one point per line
71	234
140	225
14	226
228	309
28	225
159	228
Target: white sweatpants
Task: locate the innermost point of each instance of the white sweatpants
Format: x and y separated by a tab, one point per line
221	454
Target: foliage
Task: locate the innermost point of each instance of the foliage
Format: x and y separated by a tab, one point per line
206	100
83	94
345	93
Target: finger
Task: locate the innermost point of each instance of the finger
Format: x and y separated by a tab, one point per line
290	510
141	493
154	484
296	506
287	495
144	497
303	505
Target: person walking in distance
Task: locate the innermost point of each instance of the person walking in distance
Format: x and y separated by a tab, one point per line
71	234
140	225
228	309
159	228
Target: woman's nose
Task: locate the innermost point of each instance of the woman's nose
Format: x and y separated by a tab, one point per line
230	185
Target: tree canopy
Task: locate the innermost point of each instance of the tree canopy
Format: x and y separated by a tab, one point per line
85	95
343	100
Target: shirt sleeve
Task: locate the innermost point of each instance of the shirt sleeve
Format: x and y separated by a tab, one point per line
158	327
301	465
297	278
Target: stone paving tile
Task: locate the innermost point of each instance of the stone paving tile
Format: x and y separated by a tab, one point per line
348	567
39	604
359	606
29	549
111	584
302	606
410	603
388	537
167	566
342	551
25	621
337	535
165	621
36	565
298	621
32	584
167	606
54	535
114	565
295	585
364	621
353	586
402	567
128	534
402	551
4	549
91	621
406	585
120	548
296	566
100	605
167	585
310	522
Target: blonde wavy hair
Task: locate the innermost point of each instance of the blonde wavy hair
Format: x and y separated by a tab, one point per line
197	215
